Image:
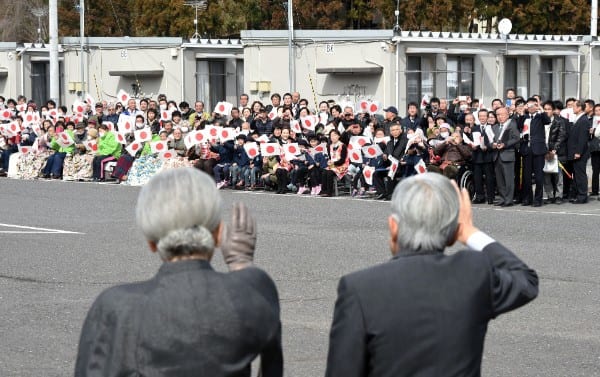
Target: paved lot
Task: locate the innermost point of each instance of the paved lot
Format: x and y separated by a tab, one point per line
48	277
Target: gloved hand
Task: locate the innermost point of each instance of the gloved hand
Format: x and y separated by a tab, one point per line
239	238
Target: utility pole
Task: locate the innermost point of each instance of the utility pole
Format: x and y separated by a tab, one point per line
81	36
53	34
292	63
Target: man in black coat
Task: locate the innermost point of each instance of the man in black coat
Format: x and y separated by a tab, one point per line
534	152
483	166
395	148
425	313
578	152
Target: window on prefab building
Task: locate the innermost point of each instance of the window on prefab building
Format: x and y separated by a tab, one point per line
419	77
551	78
459	76
516	75
210	82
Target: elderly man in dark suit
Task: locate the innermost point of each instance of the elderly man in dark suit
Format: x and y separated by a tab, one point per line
425	313
506	138
578	152
394	148
188	320
534	154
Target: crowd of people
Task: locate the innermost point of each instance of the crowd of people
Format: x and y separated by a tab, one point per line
287	146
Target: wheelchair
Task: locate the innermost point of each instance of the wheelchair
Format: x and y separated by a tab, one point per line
464	177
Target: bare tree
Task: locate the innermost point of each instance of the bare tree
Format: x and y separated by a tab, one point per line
18	23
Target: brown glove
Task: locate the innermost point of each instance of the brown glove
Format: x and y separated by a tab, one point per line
239	238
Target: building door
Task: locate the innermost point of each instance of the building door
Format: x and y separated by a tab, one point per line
40	82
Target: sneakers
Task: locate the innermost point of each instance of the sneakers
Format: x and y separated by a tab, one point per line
317	190
302	190
291	187
221	184
354	193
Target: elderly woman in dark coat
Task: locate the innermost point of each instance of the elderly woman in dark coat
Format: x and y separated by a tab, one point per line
188	320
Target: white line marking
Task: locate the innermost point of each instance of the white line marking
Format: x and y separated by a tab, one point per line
35	229
539	212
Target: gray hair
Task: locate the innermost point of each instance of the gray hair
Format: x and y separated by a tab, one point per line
179	209
426	208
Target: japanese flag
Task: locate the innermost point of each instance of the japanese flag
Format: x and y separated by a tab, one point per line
526	127
165	114
31	117
91	145
25	149
143	135
368	172
226	133
270	149
123	97
263	139
425	101
420	167
323	118
309	122
321	148
211	132
383	140
251	150
90	100
194	138
37	129
64	140
568	114
273	113
77	118
292	148
363	106
159	146
167	155
79	107
359	141
6	114
120	137
295	126
22	107
52	114
126	123
133	148
374	107
355	155
223	108
109	125
372	151
12	129
596	122
393	167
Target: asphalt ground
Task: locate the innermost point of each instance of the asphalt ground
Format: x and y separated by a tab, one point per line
49	277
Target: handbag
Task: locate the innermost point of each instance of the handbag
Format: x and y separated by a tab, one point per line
551	165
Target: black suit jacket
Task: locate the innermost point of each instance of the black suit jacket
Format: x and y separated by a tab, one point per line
480	156
537	133
578	136
396	151
189	320
424	314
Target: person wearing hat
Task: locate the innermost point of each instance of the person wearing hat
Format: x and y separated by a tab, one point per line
240	162
391	117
